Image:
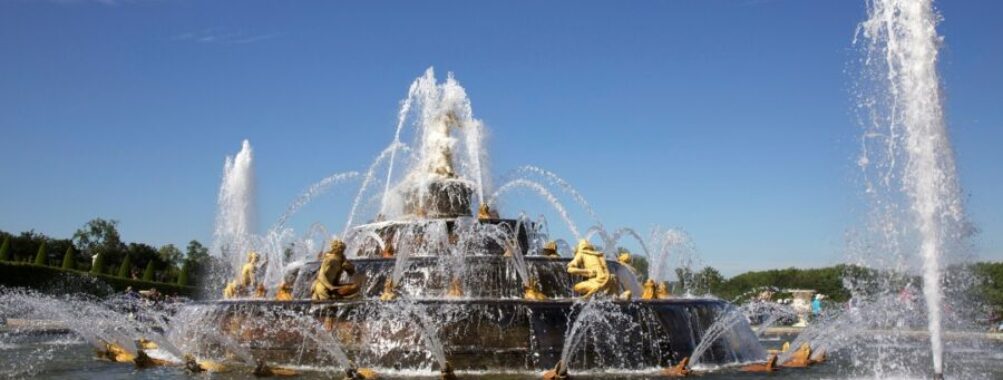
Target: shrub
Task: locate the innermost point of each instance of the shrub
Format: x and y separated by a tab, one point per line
126	267
40	257
4	248
183	276
148	274
98	264
69	259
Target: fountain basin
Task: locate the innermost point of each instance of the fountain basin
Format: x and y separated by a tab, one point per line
483	334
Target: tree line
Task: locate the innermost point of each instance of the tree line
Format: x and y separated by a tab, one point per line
97	247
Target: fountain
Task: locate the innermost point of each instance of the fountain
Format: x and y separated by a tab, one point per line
483	293
426	277
913	158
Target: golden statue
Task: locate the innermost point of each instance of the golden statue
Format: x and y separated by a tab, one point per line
455	288
662	291
532	292
231	290
247	279
551	250
800	358
145	361
769	366
116	353
648	291
389	293
678	370
195	366
264	370
624	258
486	212
327	286
590	264
284	292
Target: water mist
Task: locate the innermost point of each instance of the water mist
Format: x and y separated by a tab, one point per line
907	143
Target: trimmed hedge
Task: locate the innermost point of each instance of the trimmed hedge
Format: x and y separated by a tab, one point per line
43	278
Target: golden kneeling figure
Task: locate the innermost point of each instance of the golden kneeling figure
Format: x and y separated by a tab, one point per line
327	286
590	264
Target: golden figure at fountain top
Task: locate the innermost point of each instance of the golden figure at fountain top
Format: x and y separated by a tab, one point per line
550	249
247	279
486	212
327	286
590	264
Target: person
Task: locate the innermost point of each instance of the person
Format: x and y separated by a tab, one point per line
816	306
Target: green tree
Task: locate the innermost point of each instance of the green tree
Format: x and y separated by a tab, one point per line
170	254
126	267
707	281
40	257
183	276
100	237
148	274
97	264
69	259
5	248
197	253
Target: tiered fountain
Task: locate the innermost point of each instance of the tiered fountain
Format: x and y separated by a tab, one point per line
429	285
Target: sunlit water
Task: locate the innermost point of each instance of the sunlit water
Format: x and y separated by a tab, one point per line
62	356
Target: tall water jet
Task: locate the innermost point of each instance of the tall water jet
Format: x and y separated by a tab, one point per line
236	208
915	159
448	156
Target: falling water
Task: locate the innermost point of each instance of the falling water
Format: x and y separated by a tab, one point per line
541	191
235	215
906	113
563	185
314	190
663	245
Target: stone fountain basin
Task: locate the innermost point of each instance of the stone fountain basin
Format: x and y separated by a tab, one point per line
482	334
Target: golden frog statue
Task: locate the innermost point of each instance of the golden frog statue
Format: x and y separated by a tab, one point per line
590	264
327	286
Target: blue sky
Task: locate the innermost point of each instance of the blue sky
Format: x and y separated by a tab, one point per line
730	119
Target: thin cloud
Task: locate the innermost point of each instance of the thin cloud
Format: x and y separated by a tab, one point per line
222	36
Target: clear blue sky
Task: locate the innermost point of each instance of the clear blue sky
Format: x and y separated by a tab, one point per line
730	119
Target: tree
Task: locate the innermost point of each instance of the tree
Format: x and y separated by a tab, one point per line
126	267
5	248
100	236
170	255
707	281
197	253
183	276
148	274
97	264
69	259
40	257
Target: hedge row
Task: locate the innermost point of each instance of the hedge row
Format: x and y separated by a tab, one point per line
47	278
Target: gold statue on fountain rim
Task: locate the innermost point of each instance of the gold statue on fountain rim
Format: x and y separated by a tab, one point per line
648	290
532	292
327	286
662	291
590	264
284	292
389	293
455	288
246	281
485	212
550	250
